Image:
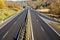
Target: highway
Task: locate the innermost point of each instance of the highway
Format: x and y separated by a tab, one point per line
10	31
41	30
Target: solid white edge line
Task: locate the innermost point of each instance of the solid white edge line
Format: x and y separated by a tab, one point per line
50	26
31	26
5	34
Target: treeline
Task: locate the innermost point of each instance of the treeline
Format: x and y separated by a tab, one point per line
55	7
2	4
8	4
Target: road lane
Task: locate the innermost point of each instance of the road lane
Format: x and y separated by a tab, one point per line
37	31
12	27
41	30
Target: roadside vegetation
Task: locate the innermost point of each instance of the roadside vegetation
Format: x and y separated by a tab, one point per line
52	7
55	25
55	9
8	9
5	13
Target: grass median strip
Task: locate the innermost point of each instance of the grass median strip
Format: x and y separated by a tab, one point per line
28	28
26	31
22	34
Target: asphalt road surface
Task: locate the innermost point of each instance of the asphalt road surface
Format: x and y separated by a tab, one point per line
41	31
9	31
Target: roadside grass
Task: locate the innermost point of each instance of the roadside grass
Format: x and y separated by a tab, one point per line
6	13
54	16
3	16
55	25
47	13
58	18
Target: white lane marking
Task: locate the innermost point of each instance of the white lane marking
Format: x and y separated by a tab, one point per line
31	26
42	28
49	26
5	34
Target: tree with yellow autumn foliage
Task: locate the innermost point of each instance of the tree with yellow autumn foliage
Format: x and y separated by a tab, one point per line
2	4
55	7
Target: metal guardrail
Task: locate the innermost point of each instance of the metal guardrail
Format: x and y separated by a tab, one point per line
49	18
